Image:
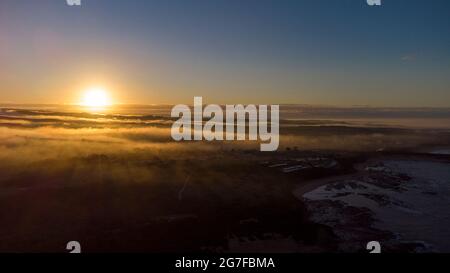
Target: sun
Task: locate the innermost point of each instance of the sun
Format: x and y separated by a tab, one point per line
96	97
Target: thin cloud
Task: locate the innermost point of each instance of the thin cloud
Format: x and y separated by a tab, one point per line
409	58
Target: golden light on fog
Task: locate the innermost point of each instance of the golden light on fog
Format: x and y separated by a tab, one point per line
96	97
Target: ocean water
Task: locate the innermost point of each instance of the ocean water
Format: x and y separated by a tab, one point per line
419	212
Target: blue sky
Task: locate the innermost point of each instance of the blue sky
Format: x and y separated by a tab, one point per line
335	52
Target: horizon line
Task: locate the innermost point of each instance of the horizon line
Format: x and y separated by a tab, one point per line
3	104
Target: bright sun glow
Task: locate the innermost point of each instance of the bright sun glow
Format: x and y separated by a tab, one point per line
96	97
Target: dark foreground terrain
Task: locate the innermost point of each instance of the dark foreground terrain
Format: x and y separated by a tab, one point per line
119	184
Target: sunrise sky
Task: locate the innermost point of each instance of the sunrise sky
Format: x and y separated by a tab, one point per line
333	52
